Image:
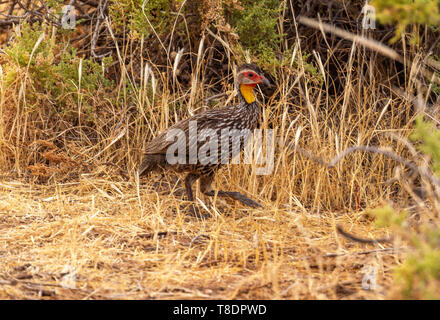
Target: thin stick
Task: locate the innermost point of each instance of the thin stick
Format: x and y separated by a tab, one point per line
358	239
363	41
388	153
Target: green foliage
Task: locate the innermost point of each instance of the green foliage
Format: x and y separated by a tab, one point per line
387	217
427	137
255	22
139	15
53	71
434	86
310	69
256	25
418	277
25	42
405	12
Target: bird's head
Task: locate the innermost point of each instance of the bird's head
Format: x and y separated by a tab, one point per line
248	76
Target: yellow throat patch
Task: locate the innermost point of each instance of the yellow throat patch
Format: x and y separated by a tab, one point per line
247	92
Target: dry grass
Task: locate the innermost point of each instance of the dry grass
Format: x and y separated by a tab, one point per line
108	228
112	239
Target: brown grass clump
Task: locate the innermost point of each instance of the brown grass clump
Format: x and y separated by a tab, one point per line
76	223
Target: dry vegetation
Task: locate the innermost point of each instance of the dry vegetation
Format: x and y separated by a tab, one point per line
72	208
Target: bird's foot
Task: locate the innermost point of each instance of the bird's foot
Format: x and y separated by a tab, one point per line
237	196
245	200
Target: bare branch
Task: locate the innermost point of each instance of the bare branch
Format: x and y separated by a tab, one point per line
101	9
358	239
388	153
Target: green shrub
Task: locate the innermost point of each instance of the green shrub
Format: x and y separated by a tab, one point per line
406	12
135	14
53	71
256	25
418	277
427	137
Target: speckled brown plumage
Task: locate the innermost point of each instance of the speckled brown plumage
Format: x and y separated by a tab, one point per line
244	116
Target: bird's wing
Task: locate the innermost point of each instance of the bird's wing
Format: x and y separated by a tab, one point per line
160	144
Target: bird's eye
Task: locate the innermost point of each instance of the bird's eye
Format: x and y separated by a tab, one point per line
250	74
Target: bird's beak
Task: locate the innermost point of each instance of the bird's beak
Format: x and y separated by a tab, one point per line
265	81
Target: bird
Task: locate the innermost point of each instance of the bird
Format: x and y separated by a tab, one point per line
160	153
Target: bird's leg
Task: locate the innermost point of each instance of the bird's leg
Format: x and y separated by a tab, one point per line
205	186
189	181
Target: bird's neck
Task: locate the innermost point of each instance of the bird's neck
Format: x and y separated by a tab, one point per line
249	109
247	92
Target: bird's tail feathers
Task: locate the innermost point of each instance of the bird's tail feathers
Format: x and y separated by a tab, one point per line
151	162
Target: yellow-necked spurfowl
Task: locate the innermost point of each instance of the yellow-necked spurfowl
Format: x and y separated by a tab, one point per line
195	155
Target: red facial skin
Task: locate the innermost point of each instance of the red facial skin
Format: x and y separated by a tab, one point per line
254	77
